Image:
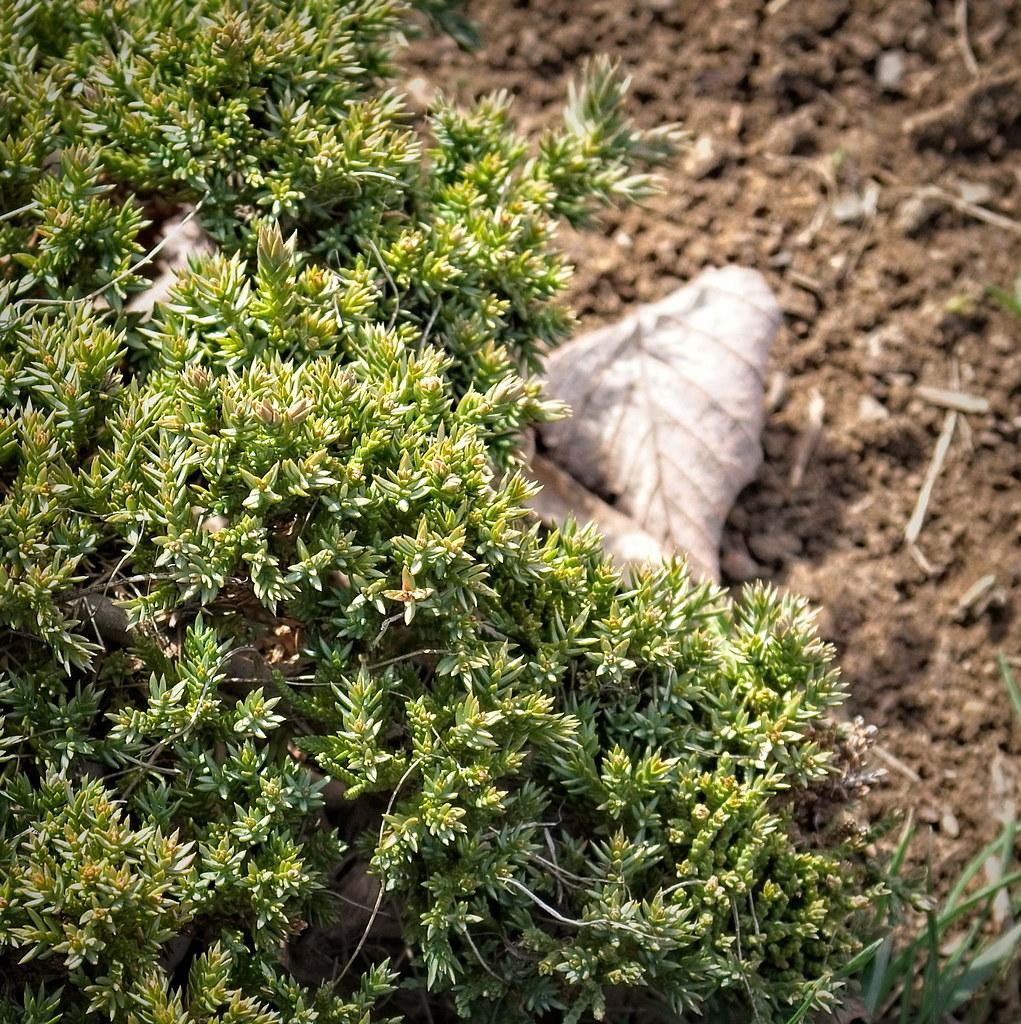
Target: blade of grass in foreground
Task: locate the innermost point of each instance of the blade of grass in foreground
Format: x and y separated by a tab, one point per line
949	981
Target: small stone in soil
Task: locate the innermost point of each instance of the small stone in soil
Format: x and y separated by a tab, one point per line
914	213
792	134
890	70
975	192
1002	343
775	547
420	94
705	157
928	814
872	411
852	206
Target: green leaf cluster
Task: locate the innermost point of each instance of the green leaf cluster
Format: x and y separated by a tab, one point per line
276	625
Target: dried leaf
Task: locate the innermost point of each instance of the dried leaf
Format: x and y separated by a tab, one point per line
668	409
562	495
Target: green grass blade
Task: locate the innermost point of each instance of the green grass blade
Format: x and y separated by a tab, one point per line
1009	302
1010	682
950	972
966	944
877	983
984	966
986	892
906	994
805	1008
975	865
931	1009
852	967
878	980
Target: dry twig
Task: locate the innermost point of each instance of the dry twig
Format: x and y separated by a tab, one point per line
897	764
948	398
967	54
996	220
972	599
914	527
382	888
809	438
123	276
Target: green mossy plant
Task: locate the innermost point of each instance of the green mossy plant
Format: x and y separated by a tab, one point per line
276	627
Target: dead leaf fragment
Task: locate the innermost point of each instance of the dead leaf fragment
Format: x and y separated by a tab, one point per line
668	409
562	495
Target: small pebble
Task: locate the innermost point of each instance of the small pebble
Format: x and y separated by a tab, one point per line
913	214
928	814
872	411
735	120
890	70
792	134
949	824
878	342
704	158
847	208
837	262
853	206
775	547
420	94
900	380
975	192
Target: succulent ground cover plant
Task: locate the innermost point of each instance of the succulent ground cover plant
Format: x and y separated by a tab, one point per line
304	718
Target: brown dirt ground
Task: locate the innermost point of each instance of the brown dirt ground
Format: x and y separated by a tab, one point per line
790	96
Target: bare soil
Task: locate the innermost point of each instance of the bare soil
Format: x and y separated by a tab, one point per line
819	126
